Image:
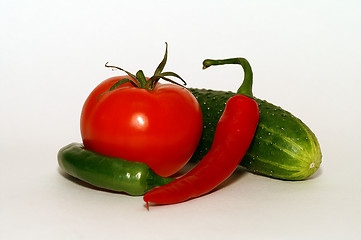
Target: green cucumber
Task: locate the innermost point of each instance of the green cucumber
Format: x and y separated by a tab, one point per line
283	146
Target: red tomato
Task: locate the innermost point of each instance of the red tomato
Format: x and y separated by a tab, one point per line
160	127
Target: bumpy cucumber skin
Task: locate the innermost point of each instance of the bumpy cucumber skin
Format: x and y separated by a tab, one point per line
283	146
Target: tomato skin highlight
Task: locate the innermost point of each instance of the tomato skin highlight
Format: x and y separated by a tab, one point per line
160	127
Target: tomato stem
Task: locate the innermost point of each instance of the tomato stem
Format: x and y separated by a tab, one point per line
142	81
115	67
139	80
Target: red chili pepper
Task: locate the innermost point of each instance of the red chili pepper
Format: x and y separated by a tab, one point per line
234	134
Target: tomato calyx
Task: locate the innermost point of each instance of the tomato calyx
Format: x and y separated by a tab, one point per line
139	79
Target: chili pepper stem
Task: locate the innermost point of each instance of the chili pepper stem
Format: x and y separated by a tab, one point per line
246	87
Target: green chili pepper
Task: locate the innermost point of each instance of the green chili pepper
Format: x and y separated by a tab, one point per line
134	178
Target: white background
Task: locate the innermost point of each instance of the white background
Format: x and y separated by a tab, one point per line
305	55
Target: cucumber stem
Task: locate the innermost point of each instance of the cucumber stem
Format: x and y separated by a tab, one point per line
246	87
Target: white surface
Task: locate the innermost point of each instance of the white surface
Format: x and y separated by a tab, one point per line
306	57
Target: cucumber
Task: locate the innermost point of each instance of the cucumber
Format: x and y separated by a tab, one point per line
283	146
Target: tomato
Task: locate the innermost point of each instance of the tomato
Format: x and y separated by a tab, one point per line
160	127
